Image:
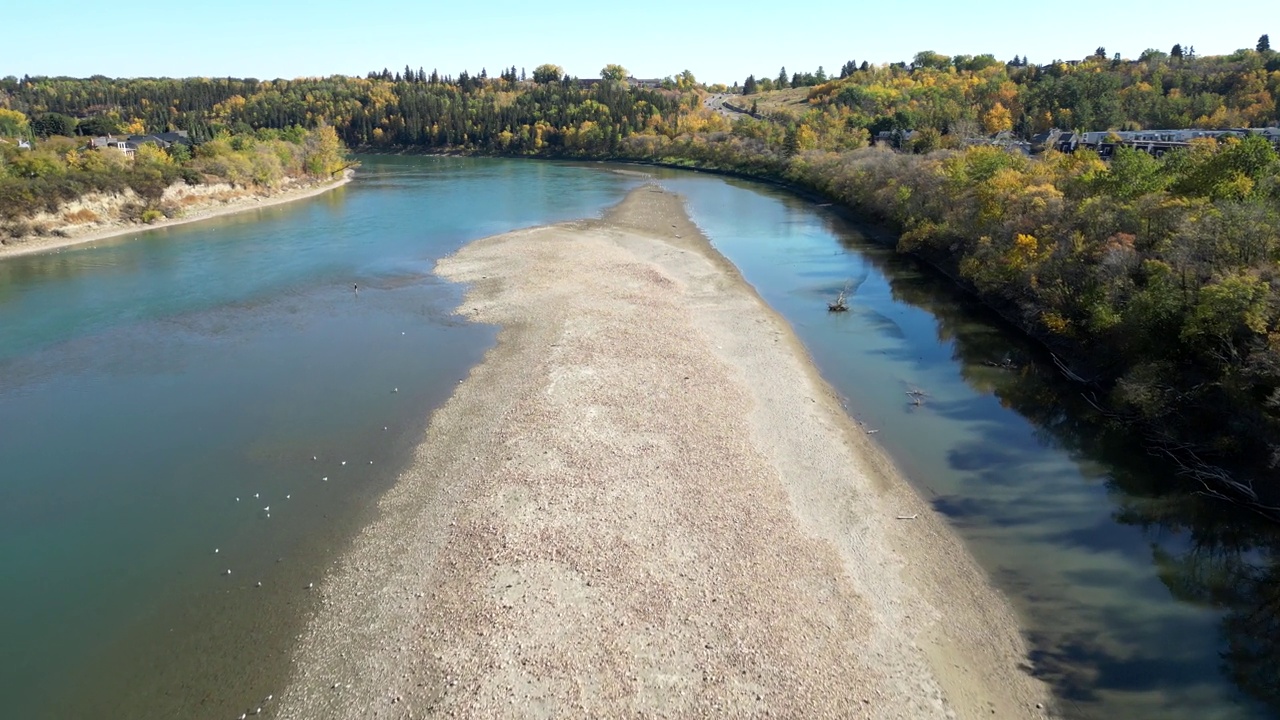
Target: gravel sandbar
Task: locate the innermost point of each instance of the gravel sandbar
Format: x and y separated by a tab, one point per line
645	502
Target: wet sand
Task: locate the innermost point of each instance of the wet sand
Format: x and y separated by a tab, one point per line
646	502
78	235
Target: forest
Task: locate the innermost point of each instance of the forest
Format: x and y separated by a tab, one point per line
1154	281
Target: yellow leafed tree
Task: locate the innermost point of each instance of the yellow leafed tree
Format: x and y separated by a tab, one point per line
324	151
12	123
997	119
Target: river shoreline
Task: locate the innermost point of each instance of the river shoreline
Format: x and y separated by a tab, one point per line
645	500
215	208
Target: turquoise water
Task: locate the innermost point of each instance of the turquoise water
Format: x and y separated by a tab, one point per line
147	383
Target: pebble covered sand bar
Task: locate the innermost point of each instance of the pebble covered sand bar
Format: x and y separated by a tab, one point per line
645	502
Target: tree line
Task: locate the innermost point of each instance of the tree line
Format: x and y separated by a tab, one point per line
1154	279
980	94
480	113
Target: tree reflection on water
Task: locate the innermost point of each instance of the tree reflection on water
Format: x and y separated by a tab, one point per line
1207	553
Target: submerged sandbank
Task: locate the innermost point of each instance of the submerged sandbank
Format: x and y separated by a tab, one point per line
215	206
645	501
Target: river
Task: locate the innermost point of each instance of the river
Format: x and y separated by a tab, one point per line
158	394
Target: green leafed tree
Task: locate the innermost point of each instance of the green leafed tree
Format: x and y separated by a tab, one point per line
547	73
1132	173
53	123
100	125
614	73
931	59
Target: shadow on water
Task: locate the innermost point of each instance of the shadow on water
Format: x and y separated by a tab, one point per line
1140	598
1206	553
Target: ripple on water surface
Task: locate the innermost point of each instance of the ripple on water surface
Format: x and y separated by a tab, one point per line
163	398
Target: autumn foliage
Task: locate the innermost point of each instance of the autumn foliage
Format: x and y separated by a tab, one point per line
1156	278
60	169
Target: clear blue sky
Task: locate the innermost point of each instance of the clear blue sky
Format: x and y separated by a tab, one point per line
719	41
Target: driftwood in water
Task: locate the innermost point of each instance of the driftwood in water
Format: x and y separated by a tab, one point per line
841	302
1218	483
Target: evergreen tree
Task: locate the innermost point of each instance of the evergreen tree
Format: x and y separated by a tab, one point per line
1264	44
781	82
749	87
791	144
1176	52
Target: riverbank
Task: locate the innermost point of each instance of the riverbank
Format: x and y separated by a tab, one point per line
646	501
208	202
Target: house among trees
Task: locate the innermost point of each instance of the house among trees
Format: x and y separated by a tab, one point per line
1004	139
164	139
107	141
895	138
1066	142
1154	142
1044	140
130	145
650	84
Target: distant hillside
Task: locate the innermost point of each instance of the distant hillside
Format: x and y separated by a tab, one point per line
959	96
1157	90
499	114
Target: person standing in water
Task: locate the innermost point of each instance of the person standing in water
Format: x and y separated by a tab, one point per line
355	288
